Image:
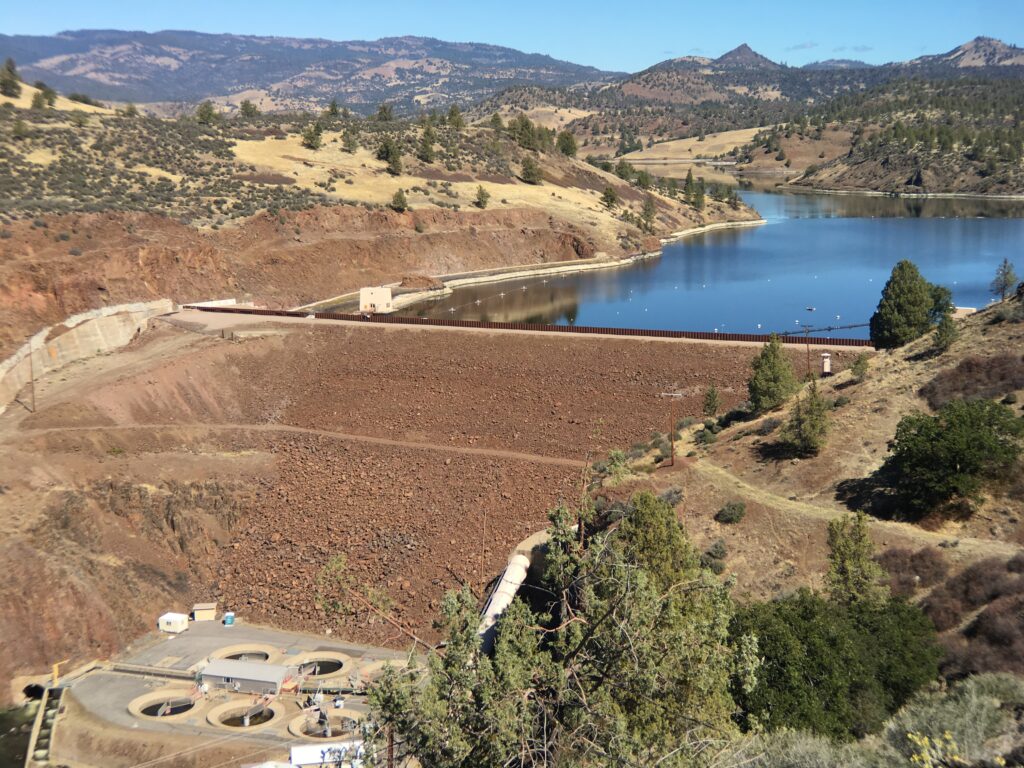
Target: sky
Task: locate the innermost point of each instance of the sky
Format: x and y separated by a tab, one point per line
611	35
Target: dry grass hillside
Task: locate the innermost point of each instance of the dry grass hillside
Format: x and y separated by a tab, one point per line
101	209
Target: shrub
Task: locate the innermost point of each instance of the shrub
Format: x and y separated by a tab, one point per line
767	426
830	669
976	377
860	366
705	437
530	171
937	458
731	513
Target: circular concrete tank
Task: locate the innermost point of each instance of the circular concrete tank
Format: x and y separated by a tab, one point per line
231	716
318	665
259	652
344	723
174	703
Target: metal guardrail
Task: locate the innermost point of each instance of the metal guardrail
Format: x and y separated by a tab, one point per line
538	327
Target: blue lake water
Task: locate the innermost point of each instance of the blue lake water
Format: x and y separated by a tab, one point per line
829	253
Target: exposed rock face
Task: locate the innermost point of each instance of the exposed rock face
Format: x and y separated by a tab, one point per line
310	255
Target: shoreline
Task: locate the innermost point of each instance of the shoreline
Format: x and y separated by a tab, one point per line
501	274
901	195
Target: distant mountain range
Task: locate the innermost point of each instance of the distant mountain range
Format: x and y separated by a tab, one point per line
183	68
277	72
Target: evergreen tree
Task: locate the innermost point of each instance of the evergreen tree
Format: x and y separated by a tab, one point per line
385	114
130	110
698	197
860	366
1005	280
389	152
946	333
425	152
647	213
38	100
399	202
689	187
496	122
350	140
313	136
482	197
772	381
455	119
566	144
247	109
624	170
206	114
644	180
609	198
904	312
332	109
10	83
853	575
807	428
633	644
530	171
712	402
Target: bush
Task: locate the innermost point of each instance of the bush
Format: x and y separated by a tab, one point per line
833	670
807	428
767	426
705	437
937	458
860	366
731	513
976	377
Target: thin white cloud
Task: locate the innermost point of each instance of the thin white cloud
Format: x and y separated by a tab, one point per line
862	48
805	46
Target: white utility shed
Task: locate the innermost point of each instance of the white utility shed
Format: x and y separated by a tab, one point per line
246	676
375	299
173	622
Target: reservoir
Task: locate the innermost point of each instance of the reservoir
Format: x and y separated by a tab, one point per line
818	261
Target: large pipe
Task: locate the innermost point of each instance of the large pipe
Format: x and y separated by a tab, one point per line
504	593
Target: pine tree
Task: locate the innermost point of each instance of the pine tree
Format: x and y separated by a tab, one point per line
807	427
425	152
455	118
648	213
946	333
496	122
853	575
385	113
312	136
130	110
350	141
689	187
332	109
1005	280
482	197
389	152
399	202
698	197
904	312
772	381
712	402
206	114
530	172
10	83
566	144
609	198
38	100
247	109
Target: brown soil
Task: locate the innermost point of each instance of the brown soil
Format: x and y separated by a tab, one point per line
307	256
187	467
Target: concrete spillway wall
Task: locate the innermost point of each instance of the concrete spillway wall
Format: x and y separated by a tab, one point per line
80	336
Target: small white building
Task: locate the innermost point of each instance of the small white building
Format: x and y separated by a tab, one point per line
826	364
173	622
344	753
204	611
377	299
246	676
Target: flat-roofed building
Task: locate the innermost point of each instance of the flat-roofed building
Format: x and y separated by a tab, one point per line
246	676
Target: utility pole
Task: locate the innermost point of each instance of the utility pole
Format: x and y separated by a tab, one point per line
672	424
391	747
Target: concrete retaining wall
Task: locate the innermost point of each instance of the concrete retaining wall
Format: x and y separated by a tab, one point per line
88	334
